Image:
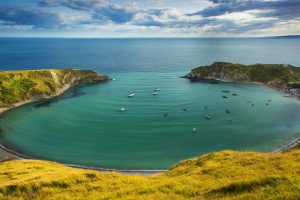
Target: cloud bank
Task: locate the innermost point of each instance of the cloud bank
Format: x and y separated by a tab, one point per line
156	18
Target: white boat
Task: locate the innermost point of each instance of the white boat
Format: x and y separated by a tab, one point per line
156	90
122	109
131	95
155	93
194	130
207	116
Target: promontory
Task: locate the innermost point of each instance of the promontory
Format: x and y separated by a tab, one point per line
21	87
283	77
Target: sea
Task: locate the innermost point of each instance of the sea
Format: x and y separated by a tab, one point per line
85	126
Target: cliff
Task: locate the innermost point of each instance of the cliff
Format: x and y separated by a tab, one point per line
20	87
279	76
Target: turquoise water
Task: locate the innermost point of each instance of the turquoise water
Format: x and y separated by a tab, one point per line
85	127
89	129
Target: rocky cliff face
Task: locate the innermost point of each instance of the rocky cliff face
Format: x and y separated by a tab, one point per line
19	87
282	77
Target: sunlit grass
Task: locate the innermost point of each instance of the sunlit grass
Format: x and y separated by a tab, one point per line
221	175
18	86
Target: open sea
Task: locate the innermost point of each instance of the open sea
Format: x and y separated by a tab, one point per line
85	127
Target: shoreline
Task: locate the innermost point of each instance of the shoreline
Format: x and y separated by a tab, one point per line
7	154
14	155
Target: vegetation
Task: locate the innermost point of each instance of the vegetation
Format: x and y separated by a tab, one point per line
221	175
276	75
18	86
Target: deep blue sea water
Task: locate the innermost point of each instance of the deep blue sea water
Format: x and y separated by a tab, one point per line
89	129
143	55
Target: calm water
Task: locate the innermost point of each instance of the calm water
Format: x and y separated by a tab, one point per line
85	127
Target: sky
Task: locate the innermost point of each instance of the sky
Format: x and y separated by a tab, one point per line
151	18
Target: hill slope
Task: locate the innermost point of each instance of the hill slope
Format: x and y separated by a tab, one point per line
221	175
25	86
282	77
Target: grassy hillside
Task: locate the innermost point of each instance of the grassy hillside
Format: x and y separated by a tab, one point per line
276	75
18	86
221	175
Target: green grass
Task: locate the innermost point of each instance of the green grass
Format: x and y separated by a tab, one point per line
220	175
18	86
277	75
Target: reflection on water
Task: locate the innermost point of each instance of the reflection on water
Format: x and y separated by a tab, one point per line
46	103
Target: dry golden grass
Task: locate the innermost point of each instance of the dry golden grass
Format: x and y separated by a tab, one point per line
221	175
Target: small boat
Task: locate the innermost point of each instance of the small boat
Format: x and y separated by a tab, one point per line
122	109
131	95
184	109
166	115
205	107
194	130
156	90
155	93
230	121
267	104
269	100
252	105
227	111
207	117
225	97
234	94
225	91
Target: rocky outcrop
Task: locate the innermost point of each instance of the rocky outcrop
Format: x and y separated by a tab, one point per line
285	78
22	87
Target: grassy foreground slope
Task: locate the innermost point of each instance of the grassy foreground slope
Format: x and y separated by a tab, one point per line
221	175
280	76
19	86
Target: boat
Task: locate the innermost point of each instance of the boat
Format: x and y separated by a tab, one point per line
234	94
184	109
155	93
225	91
207	116
166	115
194	130
131	95
225	97
227	111
122	109
156	90
230	121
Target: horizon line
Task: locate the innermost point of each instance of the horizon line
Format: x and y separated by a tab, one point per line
221	37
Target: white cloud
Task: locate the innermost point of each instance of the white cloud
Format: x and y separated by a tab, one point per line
73	18
288	27
167	17
245	17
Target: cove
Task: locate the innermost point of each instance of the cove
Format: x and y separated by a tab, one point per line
89	130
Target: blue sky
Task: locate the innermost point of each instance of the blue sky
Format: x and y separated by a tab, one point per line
152	18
